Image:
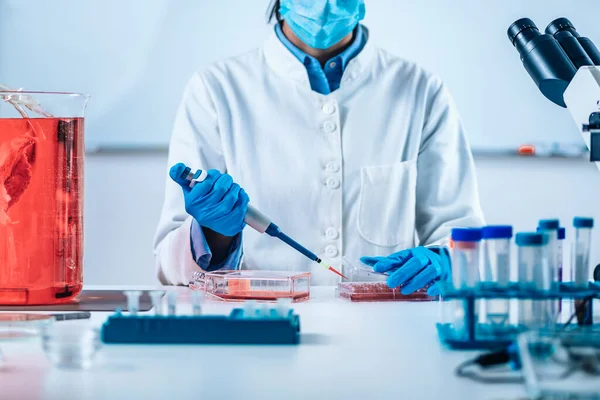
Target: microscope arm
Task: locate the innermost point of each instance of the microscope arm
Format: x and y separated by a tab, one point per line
582	98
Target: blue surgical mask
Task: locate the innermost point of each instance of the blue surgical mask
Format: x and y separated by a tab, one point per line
322	23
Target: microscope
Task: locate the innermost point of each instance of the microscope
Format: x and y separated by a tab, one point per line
566	69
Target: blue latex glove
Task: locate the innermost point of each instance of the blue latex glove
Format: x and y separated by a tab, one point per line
216	203
412	269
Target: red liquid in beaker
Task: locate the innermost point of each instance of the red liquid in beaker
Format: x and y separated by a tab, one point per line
41	210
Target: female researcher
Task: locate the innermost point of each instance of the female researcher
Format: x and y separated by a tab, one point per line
349	149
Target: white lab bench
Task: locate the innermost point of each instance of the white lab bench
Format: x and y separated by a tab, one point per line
373	351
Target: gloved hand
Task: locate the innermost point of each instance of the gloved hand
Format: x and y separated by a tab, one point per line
216	203
412	269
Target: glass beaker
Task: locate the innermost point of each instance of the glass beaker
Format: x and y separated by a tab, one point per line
41	196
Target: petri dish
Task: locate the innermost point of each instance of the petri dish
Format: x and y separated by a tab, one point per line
16	326
365	285
262	286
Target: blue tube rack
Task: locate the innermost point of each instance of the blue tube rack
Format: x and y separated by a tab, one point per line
203	329
473	335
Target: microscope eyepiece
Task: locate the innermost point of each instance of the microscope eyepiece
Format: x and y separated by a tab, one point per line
561	24
544	59
581	50
519	27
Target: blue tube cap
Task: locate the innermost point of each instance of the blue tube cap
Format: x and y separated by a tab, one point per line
549	224
497	232
562	233
467	234
583	222
531	239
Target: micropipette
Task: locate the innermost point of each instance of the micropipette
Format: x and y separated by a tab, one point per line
262	224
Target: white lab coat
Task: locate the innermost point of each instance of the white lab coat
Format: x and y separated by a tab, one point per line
380	165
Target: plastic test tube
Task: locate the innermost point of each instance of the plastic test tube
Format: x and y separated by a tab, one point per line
465	274
133	300
534	273
197	298
581	253
172	303
496	250
551	228
157	303
283	307
465	257
562	234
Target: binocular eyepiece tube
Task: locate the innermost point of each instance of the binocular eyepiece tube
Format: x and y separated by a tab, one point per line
581	50
552	59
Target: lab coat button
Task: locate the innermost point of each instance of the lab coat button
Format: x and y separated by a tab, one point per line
328	108
329	126
332	166
331	251
332	233
333	183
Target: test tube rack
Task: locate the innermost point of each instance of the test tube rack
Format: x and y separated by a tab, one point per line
236	328
470	334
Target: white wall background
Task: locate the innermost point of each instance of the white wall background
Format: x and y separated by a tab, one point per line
124	196
134	56
463	40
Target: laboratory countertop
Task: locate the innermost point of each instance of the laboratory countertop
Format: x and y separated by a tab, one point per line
348	350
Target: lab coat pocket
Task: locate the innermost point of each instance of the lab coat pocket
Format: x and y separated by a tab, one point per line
386	215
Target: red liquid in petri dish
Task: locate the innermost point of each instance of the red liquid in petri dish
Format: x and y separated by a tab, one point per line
263	295
379	291
41	210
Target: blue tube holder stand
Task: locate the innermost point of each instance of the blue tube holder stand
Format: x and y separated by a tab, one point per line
203	329
468	333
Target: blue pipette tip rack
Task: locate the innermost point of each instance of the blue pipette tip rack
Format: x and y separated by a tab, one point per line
471	334
233	329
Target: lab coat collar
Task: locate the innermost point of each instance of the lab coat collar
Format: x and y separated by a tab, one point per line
285	64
